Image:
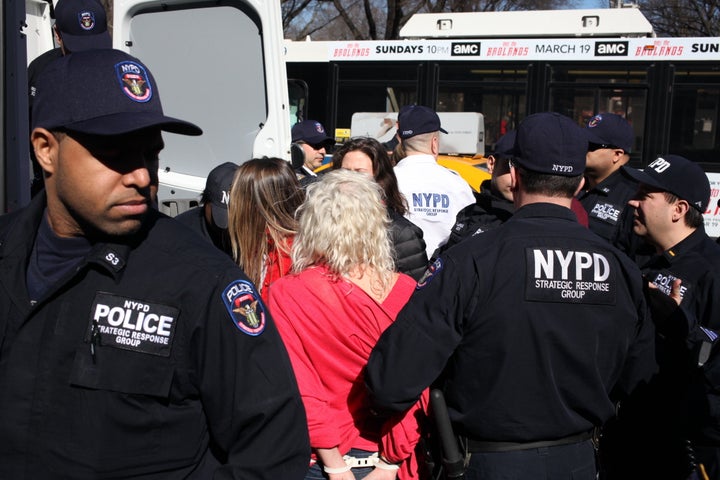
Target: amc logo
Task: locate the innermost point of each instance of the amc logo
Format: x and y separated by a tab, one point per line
611	49
470	49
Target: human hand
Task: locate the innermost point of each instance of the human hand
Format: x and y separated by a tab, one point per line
380	474
674	292
342	476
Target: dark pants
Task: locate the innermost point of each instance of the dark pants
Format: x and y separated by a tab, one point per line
316	472
564	462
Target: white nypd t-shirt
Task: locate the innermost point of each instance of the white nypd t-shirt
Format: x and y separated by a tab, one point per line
434	195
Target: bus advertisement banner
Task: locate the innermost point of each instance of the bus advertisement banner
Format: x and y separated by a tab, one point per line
712	214
595	49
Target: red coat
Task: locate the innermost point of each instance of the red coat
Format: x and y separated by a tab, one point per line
329	328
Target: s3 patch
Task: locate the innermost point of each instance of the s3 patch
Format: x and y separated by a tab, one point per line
245	307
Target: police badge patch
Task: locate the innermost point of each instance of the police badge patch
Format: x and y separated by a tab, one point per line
245	307
132	324
86	20
134	81
430	273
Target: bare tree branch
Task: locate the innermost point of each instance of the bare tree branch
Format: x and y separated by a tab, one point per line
686	18
291	9
357	34
372	28
375	19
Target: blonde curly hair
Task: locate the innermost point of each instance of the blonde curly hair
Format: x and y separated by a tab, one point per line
344	225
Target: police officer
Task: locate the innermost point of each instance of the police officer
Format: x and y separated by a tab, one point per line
314	143
434	193
129	347
533	328
494	204
608	184
210	219
675	423
79	25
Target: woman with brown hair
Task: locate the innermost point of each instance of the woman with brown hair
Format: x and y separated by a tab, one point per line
261	219
367	155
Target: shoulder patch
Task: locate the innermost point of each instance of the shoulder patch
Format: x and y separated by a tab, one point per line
430	273
246	309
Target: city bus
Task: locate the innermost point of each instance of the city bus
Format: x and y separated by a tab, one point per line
667	88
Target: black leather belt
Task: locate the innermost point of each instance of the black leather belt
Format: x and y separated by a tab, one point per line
478	446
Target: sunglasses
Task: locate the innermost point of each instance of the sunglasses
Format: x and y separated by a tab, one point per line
597	146
316	146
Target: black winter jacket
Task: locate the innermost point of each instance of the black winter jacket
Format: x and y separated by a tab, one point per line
407	238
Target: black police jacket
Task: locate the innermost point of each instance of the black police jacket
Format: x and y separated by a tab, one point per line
538	326
690	365
489	211
150	353
608	213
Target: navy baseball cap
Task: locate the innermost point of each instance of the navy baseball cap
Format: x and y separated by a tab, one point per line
217	191
416	120
101	92
679	176
551	143
311	132
610	129
505	146
82	25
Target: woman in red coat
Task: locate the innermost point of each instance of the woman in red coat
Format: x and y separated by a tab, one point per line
330	311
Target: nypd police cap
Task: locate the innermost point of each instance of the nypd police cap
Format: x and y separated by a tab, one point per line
679	176
101	92
551	143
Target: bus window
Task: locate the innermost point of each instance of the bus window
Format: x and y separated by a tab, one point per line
298	93
583	92
498	92
373	88
695	114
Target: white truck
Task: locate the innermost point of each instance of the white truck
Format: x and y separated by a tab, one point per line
218	64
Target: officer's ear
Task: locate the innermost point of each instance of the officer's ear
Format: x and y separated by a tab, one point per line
46	146
580	185
490	162
680	209
513	177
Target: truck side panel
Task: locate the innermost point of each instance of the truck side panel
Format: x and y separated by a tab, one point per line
219	66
